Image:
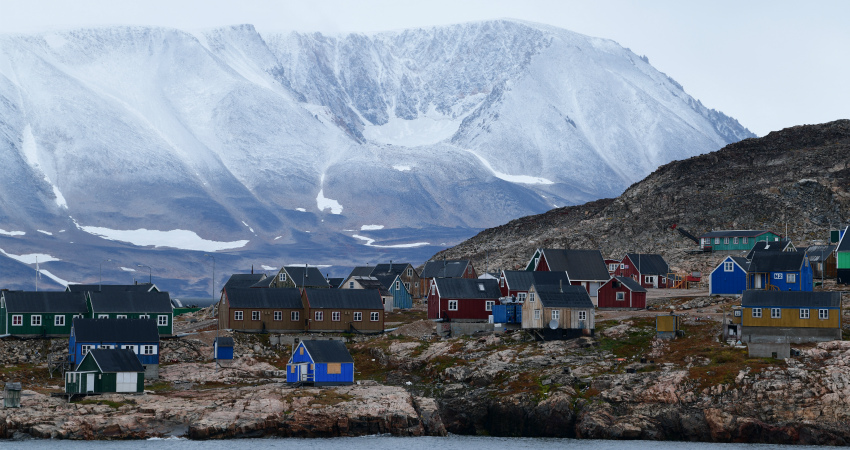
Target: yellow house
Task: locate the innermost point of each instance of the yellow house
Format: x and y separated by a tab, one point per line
790	317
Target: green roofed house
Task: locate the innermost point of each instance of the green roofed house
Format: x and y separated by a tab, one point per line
842	254
30	313
735	240
106	371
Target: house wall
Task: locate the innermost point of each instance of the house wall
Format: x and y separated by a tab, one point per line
164	330
568	317
401	298
803	280
413	280
467	309
266	321
790	317
740	246
321	377
47	327
346	321
729	283
607	297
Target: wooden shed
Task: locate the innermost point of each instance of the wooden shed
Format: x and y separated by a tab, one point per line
320	363
106	371
558	312
667	327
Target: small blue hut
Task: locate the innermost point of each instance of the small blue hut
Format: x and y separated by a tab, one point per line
320	363
223	349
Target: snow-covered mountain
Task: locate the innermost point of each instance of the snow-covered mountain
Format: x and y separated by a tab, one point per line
337	149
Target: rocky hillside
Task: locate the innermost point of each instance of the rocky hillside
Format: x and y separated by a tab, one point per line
799	176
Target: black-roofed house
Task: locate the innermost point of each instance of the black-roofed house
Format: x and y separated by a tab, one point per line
650	269
463	299
822	259
446	268
261	310
370	282
243	280
622	292
43	313
516	283
783	271
137	287
729	277
558	312
320	363
584	267
140	336
106	371
408	278
735	240
781	317
134	305
343	310
299	277
771	246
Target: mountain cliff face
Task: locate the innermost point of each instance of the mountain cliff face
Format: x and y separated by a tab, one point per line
281	146
797	178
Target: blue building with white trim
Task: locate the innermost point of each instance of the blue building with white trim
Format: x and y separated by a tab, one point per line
320	363
782	271
729	277
141	336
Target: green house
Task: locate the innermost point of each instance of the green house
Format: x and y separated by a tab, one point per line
115	304
842	254
106	371
45	313
735	240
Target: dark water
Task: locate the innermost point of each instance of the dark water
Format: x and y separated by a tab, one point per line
387	442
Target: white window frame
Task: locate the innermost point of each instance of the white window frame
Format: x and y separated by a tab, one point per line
536	314
622	266
649	279
144	316
294	316
804	313
84	349
728	266
453	305
745	240
790	277
407	285
282	277
132	348
374	316
238	315
531	297
59	320
162	320
107	347
121	316
734	240
149	349
319	316
277	316
823	314
582	315
19	318
488	305
409	272
357	316
775	313
621	296
521	296
756	313
555	314
103	316
726	240
397	285
35	320
335	316
351	285
717	241
255	315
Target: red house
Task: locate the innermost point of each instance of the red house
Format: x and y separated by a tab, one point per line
622	292
612	265
650	269
585	268
462	299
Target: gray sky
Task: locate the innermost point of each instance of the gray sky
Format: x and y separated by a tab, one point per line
769	64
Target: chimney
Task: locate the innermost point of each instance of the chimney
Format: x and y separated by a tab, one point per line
561	281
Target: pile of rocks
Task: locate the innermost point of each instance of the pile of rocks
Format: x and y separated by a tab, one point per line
30	351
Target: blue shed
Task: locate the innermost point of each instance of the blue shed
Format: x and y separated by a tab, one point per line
783	271
223	348
729	277
320	363
507	313
140	336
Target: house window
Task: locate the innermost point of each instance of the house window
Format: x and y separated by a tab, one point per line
142	316
374	317
531	297
717	240
521	296
335	316
132	348
778	276
320	316
502	282
282	276
612	267
35	320
397	285
452	305
149	349
84	349
106	347
237	315
757	313
582	315
17	320
621	296
745	240
726	240
775	313
481	287
823	314
162	321
121	316
278	315
556	315
648	279
409	272
103	316
416	284
536	314
728	266
59	321
735	240
804	313
293	316
255	315
791	278
407	286
776	239
622	266
488	305
357	317
351	285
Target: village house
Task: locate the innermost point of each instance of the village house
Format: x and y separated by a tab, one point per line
650	270
370	282
822	259
771	246
452	268
735	240
842	259
134	305
555	312
585	268
343	310
106	371
462	299
261	310
613	265
790	317
299	276
408	278
622	292
320	363
140	336
243	280
43	313
516	283
784	271
729	277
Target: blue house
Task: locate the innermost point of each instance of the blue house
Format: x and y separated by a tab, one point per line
396	287
320	363
782	271
729	277
140	336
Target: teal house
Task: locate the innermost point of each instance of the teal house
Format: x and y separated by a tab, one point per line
735	240
45	313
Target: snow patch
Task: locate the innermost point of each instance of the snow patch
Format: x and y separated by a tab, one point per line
521	179
278	237
180	239
327	203
371	227
30	150
127	269
370	241
413	133
301	209
31	258
403	168
45	232
249	226
265	267
12	233
54	277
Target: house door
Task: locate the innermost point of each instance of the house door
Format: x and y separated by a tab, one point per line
89	382
303	372
758	281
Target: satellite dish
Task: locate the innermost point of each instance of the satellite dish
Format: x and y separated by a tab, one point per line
553	324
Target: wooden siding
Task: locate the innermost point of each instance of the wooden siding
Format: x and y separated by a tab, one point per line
266	321
790	317
607	297
568	317
345	321
666	323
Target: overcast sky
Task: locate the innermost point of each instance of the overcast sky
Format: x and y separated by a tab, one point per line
769	64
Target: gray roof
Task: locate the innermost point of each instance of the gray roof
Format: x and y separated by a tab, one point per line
116	330
790	299
649	263
521	280
224	341
362	271
243	280
312	277
335	282
344	298
140	287
45	302
844	243
116	360
328	352
580	265
282	298
552	296
130	302
392	268
372	283
771	246
764	262
631	284
743	262
449	268
460	288
818	253
734	233
266	282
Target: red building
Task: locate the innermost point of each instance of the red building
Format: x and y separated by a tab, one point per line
650	269
585	268
462	299
622	292
613	265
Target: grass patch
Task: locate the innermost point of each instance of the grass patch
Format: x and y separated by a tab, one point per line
160	386
635	343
